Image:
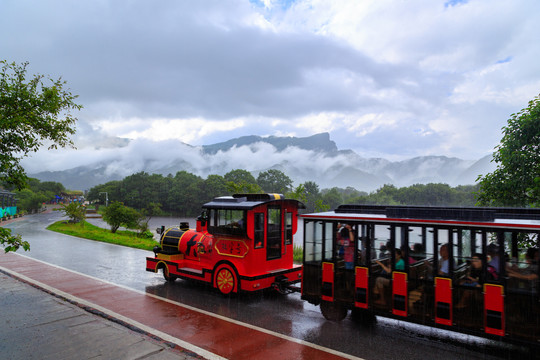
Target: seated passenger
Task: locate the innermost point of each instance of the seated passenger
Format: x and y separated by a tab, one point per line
382	282
474	279
384	251
494	262
475	276
530	272
418	252
409	258
444	261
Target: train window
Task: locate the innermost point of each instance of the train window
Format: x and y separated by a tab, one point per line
463	246
382	241
288	228
417	244
273	233
363	242
229	222
313	238
494	249
259	230
401	240
522	269
328	241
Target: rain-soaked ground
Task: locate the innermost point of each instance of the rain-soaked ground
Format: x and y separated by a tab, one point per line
285	314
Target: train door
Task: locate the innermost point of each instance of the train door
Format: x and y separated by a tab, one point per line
390	278
418	271
494	291
442	273
468	279
364	254
521	291
312	265
274	233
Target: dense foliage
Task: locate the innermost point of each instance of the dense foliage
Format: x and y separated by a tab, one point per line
117	214
516	181
32	114
184	193
75	211
31	198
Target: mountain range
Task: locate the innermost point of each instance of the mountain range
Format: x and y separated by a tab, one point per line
314	158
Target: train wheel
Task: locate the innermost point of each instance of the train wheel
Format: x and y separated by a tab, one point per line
169	277
225	280
333	311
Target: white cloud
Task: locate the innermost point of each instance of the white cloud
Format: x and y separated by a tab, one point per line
407	78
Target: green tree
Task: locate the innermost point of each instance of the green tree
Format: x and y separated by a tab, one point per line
75	211
313	195
31	201
214	185
32	113
298	193
117	214
332	198
274	181
515	180
240	176
153	209
241	181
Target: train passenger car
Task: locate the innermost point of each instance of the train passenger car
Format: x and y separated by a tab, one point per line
242	242
471	270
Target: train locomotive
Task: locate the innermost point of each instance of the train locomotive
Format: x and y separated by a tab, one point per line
242	242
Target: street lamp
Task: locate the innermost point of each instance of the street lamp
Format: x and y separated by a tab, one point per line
106	198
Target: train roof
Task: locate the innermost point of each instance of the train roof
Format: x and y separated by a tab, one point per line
468	216
247	201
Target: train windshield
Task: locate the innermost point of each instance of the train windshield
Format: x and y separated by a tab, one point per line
227	221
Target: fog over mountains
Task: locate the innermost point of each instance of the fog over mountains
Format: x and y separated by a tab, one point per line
314	158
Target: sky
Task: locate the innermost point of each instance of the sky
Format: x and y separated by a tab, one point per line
386	78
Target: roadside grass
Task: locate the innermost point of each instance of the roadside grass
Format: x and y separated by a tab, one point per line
88	231
298	254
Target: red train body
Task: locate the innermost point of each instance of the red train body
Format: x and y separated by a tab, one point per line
241	243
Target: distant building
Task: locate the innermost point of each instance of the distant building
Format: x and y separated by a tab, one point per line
8	203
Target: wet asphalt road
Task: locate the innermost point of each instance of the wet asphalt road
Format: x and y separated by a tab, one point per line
287	314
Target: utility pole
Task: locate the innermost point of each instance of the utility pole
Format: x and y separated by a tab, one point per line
106	198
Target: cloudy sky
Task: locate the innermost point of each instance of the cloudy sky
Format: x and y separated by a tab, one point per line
386	78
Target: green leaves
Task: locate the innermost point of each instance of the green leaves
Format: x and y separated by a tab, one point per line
75	211
518	157
117	214
32	112
12	242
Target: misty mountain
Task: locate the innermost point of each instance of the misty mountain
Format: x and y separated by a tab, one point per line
314	158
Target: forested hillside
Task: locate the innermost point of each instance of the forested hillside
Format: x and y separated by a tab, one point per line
184	193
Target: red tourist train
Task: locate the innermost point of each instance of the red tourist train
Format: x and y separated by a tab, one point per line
242	242
470	270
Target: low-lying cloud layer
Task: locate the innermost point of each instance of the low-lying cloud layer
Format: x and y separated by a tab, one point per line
322	163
